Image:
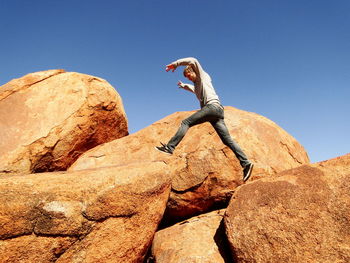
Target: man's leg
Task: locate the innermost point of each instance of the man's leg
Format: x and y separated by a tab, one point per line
221	129
198	117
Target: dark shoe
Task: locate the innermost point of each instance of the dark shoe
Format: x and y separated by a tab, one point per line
164	148
247	171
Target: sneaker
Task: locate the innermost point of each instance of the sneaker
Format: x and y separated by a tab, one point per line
247	171
164	148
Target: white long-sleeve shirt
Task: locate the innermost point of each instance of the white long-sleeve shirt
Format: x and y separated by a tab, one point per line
203	88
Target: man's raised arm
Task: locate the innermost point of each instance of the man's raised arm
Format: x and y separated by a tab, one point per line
184	62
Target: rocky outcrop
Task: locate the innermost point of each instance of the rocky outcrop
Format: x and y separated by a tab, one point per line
49	118
299	215
109	205
197	240
205	172
96	215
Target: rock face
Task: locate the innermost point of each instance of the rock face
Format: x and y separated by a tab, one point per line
47	119
85	216
205	172
31	248
299	215
200	239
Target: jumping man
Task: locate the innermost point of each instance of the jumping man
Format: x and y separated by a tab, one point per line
211	111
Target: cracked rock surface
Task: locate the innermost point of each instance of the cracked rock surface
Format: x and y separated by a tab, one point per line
197	240
99	215
49	118
205	172
298	215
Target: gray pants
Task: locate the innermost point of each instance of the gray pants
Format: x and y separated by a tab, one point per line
213	113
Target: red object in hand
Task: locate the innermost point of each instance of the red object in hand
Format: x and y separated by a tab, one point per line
170	67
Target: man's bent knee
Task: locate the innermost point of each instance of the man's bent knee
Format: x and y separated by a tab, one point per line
185	122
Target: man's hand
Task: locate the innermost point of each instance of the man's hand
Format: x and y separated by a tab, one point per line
180	84
170	67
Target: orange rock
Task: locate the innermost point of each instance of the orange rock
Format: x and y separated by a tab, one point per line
299	215
199	239
205	172
97	215
48	118
32	248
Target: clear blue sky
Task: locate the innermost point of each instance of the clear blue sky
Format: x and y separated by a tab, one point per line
288	60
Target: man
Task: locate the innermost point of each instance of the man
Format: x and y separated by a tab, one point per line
211	111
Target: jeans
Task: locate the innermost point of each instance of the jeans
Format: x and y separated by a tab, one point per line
213	113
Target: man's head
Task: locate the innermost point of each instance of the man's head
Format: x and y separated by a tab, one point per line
189	73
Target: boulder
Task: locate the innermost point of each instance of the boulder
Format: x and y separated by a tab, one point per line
96	215
200	239
32	248
49	118
205	172
299	215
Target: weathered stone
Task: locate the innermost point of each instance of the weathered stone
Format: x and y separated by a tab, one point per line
299	215
49	118
32	248
200	239
205	172
105	212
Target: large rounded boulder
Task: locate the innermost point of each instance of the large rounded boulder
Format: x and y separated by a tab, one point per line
49	118
91	216
299	215
205	172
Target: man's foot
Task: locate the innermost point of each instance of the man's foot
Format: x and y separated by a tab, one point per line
164	148
247	171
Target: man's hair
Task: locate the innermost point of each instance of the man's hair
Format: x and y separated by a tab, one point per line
188	69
